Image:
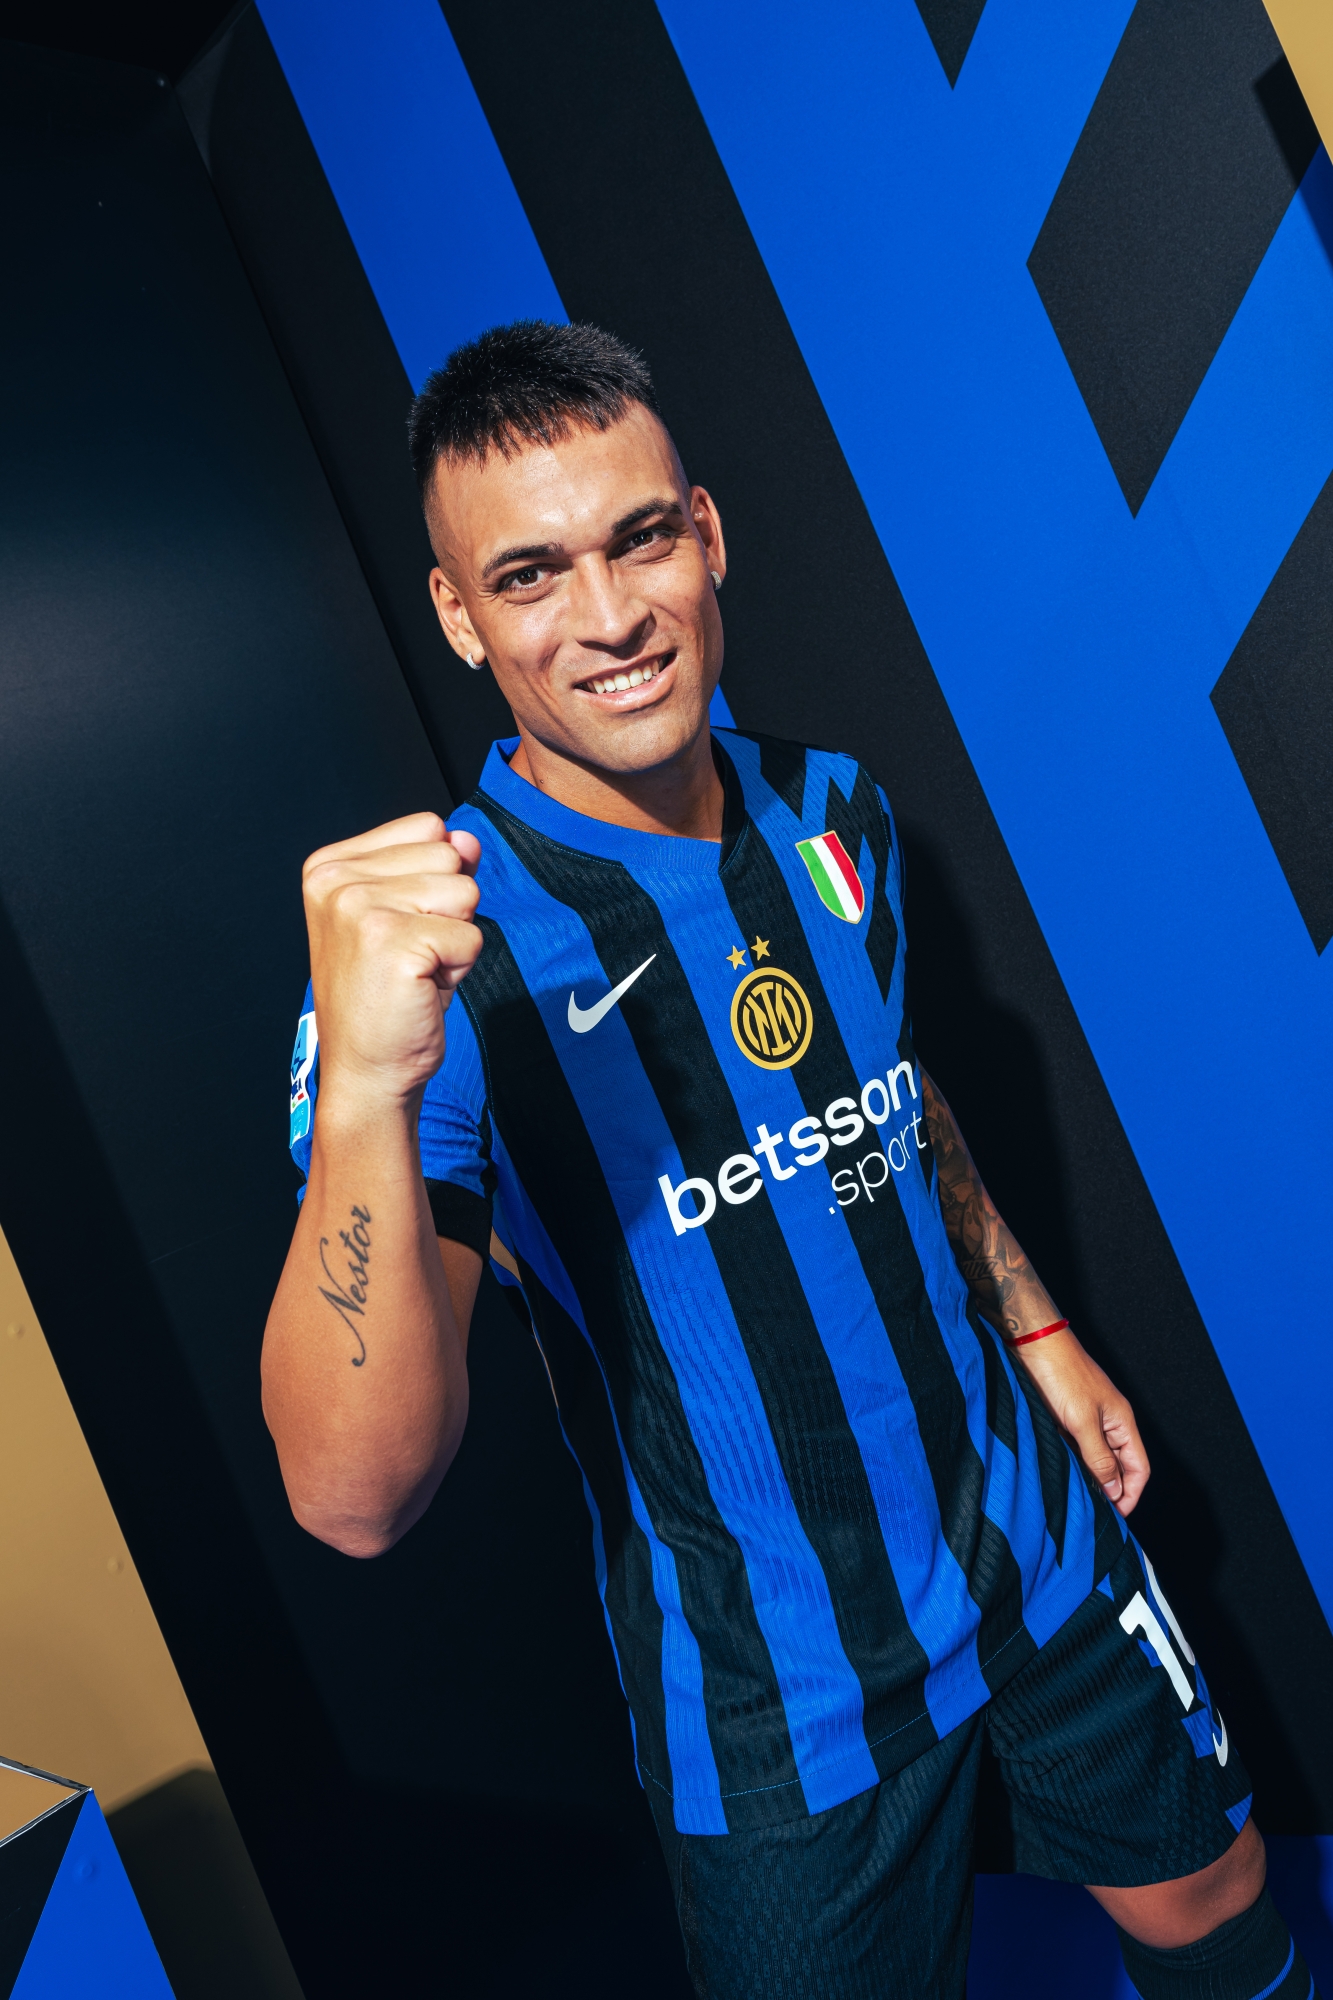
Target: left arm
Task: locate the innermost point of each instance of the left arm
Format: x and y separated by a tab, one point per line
1004	1286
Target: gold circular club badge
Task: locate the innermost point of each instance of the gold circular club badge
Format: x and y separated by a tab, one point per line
771	1018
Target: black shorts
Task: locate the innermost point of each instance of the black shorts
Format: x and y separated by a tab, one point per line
1119	1772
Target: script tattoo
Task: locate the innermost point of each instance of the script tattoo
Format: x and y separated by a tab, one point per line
349	1301
998	1274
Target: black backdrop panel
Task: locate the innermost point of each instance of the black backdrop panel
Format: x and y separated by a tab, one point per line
342	364
198	689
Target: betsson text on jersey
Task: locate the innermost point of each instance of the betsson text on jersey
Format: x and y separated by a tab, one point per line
740	1178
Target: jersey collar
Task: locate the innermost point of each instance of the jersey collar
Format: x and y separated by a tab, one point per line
615	843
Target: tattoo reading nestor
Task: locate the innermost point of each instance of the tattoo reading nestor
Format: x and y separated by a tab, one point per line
351	1299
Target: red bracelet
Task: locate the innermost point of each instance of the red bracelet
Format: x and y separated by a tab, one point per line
1057	1326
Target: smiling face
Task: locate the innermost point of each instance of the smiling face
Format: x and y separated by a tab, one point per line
581	572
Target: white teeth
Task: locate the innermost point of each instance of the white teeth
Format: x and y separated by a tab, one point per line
621	683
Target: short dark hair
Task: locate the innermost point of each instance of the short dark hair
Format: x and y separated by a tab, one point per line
526	383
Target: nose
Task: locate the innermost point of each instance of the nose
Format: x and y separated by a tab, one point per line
607	616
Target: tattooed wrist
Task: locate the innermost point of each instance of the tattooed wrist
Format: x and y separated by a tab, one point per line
992	1261
349	1300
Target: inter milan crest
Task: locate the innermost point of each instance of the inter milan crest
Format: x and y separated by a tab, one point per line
771	1019
833	875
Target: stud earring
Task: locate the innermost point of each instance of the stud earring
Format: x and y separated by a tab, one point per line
476	665
717	581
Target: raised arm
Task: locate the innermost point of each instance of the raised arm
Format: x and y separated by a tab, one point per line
1007	1290
364	1365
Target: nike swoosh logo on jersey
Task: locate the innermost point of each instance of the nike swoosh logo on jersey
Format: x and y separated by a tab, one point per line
581	1019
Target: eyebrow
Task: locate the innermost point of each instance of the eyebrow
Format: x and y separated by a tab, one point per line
534	551
641	513
529	553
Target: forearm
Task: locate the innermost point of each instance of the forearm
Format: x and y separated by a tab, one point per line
1002	1282
1006	1289
364	1369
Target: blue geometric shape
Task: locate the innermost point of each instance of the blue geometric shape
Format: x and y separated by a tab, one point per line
91	1942
1039	1940
1076	646
1240	1812
1199	1728
719	714
414	169
1105	1588
1300	1875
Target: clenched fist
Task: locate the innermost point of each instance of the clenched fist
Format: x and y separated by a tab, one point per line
391	936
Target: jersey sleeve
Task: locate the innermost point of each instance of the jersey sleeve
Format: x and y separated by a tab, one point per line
454	1132
305	1089
453	1129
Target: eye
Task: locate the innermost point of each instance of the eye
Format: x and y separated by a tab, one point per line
523	578
644	538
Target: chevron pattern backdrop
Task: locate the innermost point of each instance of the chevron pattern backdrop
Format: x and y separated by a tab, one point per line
1002	331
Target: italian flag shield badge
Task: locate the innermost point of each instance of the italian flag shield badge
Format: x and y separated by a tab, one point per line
833	875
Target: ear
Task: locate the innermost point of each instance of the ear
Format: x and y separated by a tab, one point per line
453	617
708	525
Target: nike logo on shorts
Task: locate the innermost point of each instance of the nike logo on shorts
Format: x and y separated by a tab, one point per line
581	1019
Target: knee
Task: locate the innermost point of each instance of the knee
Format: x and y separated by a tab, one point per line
1168	1915
1243	1870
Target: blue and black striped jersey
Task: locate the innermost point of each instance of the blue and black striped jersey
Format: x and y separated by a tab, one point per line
830	1517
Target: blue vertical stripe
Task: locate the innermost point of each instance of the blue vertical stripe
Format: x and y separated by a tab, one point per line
414	169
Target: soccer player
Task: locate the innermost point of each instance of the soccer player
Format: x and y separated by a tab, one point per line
633	1025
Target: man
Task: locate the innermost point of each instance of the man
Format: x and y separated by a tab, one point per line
639	1011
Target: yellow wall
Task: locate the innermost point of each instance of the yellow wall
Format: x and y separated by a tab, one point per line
87	1688
1305	30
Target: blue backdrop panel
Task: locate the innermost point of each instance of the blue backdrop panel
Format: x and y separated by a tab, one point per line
1077	643
418	177
91	1942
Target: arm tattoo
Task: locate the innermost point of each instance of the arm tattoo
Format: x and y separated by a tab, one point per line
1001	1280
349	1301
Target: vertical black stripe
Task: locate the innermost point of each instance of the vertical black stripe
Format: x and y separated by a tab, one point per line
1001	1416
816	1447
762	904
1003	1641
636	1616
530	1102
1053	1464
782	767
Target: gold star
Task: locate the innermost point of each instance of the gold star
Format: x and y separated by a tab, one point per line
759	948
737	957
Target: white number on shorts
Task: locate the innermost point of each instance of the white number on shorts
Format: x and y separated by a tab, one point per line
1139	1616
1167	1612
